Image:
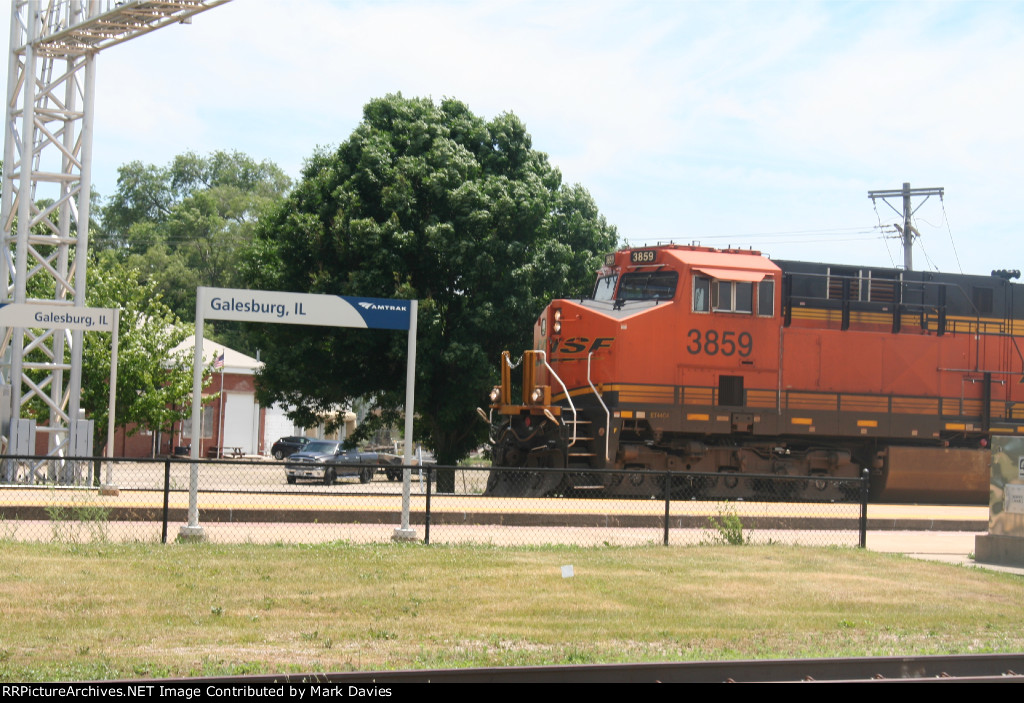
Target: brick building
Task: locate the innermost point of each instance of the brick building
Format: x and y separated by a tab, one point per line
233	422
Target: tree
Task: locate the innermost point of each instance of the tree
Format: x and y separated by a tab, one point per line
430	202
154	386
185	224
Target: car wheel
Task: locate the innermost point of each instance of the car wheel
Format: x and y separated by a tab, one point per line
329	476
366	475
393	475
278	454
291	479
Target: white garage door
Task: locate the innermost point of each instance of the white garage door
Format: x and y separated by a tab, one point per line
241	416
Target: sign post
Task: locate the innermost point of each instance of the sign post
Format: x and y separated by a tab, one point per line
276	307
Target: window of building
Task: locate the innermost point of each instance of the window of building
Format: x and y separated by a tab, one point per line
205	418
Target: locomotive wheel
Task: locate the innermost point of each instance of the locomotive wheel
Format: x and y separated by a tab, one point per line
781	488
730	485
818	489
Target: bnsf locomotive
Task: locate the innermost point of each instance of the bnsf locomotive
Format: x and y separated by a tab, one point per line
721	361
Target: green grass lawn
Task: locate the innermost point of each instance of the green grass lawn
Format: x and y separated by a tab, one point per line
119	611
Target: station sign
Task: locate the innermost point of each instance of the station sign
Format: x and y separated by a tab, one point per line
50	316
278	307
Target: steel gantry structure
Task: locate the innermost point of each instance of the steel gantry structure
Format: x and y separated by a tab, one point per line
44	207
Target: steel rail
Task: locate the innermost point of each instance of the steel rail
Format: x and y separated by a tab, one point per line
920	669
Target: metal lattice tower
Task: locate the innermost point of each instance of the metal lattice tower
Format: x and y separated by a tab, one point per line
44	208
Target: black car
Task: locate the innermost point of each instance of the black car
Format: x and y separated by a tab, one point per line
286	446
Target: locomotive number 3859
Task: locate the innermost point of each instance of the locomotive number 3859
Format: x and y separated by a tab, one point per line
713	342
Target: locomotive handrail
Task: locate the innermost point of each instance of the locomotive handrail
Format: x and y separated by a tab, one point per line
568	398
898	283
607	413
927	310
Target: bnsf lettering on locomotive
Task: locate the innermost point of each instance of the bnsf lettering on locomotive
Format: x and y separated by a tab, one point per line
713	342
575	345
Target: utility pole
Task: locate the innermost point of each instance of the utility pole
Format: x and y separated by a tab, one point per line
908	230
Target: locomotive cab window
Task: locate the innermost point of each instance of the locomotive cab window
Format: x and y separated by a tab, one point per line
766	298
732	296
656	285
605	289
701	294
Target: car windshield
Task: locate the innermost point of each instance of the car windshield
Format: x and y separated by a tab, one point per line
321	447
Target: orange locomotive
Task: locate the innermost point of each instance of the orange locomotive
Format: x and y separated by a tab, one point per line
693	359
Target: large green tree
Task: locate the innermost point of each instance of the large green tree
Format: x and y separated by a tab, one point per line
186	224
424	201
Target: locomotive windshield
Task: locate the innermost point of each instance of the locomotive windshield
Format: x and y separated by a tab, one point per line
605	289
655	285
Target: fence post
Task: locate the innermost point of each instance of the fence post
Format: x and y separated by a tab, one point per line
668	497
426	518
167	491
864	478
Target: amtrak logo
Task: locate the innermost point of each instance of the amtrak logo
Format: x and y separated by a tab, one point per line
375	306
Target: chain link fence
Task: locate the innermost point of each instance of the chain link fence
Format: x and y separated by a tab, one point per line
81	500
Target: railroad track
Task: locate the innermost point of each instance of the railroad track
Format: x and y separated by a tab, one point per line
953	668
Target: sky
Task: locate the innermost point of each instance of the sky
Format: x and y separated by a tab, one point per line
760	124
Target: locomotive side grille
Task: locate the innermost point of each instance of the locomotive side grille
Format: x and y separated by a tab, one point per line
919	406
812	401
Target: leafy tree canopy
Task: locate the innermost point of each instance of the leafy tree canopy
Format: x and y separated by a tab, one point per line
185	224
154	387
424	201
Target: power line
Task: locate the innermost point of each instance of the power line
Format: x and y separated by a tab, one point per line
786	233
951	242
